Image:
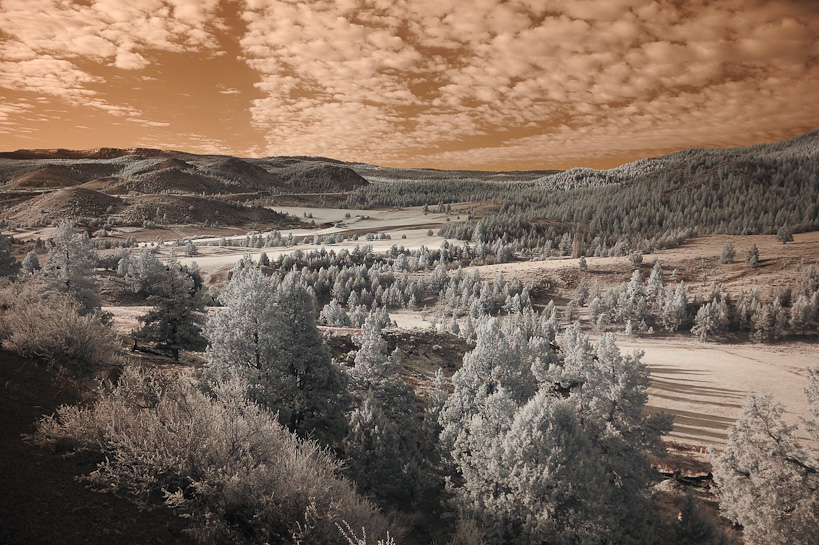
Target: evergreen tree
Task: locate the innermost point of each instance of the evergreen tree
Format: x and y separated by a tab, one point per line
300	380
728	252
767	480
801	314
674	308
70	267
175	321
241	335
695	526
8	265
551	448
382	443
142	273
30	264
753	256
784	235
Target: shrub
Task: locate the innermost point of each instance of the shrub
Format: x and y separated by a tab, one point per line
222	461
54	330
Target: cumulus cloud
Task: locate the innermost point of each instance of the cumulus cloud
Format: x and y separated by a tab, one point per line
544	81
46	42
448	83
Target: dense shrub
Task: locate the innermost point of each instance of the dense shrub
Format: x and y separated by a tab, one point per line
223	461
55	330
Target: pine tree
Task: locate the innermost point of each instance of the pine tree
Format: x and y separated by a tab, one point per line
801	314
382	443
175	321
728	252
70	267
550	447
240	335
30	264
767	480
753	256
784	235
300	380
142	273
8	265
705	322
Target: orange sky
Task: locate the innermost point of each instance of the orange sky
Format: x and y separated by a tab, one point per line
479	84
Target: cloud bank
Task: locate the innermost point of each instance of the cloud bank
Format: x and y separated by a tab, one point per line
448	83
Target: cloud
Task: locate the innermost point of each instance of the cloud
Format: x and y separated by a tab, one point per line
46	42
448	83
544	81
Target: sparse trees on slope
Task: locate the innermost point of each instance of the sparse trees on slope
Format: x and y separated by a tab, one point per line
70	267
767	480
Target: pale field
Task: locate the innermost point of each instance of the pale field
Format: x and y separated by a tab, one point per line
704	385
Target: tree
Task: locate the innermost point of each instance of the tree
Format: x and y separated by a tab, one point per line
767	480
190	249
728	252
704	323
8	265
142	273
175	320
801	314
784	234
70	267
696	526
382	443
300	380
30	264
551	448
753	256
240	335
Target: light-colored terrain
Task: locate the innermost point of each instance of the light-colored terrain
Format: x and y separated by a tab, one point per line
704	385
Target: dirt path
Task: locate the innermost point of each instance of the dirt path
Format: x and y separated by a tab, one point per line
41	502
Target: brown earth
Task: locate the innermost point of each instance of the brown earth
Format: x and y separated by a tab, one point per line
71	202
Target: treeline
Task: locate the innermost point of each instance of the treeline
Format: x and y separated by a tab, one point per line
651	203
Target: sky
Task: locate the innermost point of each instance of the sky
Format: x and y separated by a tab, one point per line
472	84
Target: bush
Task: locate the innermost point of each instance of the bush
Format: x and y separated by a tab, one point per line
53	329
222	461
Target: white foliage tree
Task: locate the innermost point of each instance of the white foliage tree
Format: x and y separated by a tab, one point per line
520	411
767	479
70	267
241	335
